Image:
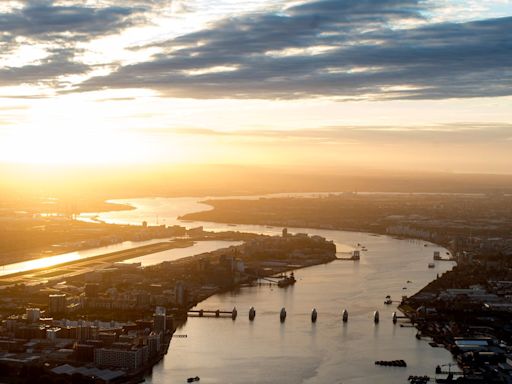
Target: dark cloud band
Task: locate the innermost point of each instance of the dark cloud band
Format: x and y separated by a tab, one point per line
369	54
346	49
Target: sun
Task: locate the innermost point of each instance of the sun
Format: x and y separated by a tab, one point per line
68	131
67	146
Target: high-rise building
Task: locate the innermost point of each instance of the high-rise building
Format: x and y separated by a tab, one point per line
33	315
57	304
180	292
154	344
159	320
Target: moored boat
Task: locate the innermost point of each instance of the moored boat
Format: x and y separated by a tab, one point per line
314	315
282	314
286	281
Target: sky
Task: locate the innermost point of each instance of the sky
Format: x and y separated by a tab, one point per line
392	84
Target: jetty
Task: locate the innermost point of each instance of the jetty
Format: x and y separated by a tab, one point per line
355	256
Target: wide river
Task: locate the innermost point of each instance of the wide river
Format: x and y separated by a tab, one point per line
297	351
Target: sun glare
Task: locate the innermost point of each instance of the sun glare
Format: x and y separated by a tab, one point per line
74	130
61	147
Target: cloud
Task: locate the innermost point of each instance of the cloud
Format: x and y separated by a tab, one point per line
460	133
59	63
340	49
43	20
57	30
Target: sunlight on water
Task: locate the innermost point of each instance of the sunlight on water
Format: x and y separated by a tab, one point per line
45	262
265	351
51	261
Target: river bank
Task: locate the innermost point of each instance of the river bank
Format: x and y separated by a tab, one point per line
298	351
467	311
358	286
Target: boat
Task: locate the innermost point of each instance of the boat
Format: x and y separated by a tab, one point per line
388	300
314	315
418	379
252	313
391	363
376	316
192	379
431	265
286	281
395	318
356	255
282	315
364	249
344	315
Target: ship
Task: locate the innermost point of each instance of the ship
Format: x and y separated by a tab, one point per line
345	315
282	315
286	281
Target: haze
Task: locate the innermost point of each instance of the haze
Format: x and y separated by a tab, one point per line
395	84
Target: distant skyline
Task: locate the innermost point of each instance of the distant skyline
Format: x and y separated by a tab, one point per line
396	84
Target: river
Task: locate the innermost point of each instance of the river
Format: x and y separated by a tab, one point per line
297	351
